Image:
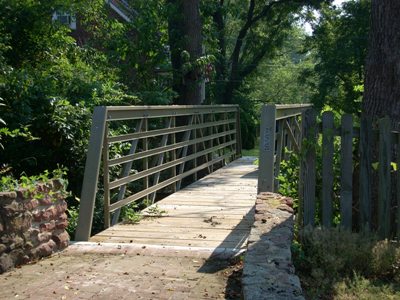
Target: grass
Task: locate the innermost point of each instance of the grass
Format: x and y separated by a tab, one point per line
252	152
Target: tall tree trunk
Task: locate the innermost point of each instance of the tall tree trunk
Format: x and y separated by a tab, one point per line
176	43
194	45
382	83
185	34
382	79
221	59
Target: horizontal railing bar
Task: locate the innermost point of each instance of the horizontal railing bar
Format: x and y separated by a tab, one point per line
159	150
291	106
290	110
165	183
134	112
163	167
157	132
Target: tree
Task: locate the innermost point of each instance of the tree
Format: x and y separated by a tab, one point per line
339	43
382	88
185	39
249	32
284	81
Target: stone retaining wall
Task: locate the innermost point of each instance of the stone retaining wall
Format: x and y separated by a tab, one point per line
32	224
268	271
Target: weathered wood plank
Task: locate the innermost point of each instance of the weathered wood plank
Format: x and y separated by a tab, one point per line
189	243
219	209
346	175
327	167
307	169
384	189
365	173
193	235
216	224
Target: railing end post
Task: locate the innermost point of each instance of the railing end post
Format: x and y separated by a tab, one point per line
90	179
267	148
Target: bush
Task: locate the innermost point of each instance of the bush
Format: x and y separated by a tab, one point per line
325	256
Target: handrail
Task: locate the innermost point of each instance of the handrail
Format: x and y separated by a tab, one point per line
167	144
284	111
122	8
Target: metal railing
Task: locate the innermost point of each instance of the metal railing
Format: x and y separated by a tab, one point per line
280	129
146	149
122	8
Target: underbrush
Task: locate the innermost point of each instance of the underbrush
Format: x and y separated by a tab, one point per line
335	264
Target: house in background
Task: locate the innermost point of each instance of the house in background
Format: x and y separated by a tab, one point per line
118	9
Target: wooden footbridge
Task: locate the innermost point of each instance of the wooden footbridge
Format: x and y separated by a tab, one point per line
192	154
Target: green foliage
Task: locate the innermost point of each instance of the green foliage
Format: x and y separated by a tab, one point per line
29	183
280	79
131	215
73	213
248	119
323	257
289	177
156	211
49	87
340	45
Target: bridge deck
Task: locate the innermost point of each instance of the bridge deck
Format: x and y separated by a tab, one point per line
214	212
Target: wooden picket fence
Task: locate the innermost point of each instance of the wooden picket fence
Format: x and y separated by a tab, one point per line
364	192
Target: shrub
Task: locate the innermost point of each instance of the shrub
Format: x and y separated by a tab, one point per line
325	256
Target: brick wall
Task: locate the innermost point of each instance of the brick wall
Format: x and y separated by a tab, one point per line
32	224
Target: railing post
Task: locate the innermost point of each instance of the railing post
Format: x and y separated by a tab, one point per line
92	168
267	149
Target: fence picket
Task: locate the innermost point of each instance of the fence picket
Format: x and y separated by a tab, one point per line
365	173
327	167
384	188
346	176
307	168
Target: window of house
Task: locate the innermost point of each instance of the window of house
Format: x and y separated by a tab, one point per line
65	18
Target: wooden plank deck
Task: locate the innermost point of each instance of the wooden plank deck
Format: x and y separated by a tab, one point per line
215	212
